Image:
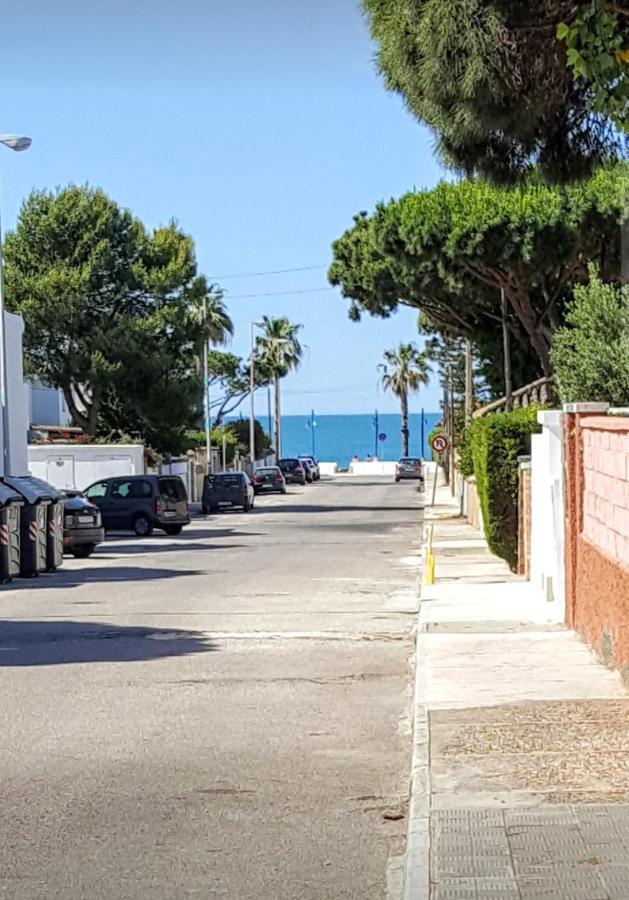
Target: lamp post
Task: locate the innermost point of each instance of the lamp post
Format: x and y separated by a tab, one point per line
252	417
17	143
206	394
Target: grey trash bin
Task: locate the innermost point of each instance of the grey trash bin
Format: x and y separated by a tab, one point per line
38	496
11	504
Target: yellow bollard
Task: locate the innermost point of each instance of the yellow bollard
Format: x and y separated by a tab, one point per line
428	575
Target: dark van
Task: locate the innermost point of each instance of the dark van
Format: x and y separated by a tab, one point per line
141	503
227	489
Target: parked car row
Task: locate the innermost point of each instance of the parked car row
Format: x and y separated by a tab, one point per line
236	489
39	523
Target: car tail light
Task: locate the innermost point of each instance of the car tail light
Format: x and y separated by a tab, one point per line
158	506
398	468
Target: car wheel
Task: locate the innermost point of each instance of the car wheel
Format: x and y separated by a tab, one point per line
246	506
205	509
142	526
397	480
83	551
283	491
173	529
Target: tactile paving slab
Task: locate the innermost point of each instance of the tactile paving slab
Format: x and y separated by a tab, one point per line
559	853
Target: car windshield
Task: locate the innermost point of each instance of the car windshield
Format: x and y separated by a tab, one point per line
409	461
289	463
269	471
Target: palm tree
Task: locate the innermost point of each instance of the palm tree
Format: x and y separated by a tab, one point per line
404	371
278	351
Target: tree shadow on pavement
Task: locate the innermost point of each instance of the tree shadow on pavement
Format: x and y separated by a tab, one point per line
49	643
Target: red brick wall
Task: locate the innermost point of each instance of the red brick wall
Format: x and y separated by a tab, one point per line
597	534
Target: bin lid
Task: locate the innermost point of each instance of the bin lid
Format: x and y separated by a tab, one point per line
34	490
9	496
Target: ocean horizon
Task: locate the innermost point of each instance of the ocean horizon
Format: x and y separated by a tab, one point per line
338	438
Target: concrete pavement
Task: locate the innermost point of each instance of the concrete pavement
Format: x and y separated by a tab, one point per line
522	742
221	714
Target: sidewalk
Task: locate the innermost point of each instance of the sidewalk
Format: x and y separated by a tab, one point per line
521	764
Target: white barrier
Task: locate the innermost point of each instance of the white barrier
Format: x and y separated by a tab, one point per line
372	467
328	468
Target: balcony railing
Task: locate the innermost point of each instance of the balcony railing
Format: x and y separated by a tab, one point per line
538	392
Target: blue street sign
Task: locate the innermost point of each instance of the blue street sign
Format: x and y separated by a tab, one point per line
382	437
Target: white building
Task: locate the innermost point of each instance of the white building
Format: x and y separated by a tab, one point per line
46	405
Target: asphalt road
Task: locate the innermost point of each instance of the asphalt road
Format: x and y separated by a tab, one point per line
222	714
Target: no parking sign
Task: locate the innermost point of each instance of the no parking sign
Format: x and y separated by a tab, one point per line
440	443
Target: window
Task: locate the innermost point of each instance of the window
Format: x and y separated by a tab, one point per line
97	490
172	489
122	490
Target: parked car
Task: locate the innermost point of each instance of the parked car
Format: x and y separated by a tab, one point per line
314	466
410	467
267	479
307	467
141	503
227	489
293	471
82	525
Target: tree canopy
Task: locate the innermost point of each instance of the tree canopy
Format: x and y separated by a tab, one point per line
501	89
111	313
449	251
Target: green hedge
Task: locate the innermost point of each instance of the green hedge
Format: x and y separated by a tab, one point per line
496	441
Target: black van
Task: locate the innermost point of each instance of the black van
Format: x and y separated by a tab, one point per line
141	503
227	489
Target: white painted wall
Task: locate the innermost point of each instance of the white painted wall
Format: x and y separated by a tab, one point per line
17	396
547	511
374	467
77	466
47	405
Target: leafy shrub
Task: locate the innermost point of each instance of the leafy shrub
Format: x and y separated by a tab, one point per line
590	353
496	441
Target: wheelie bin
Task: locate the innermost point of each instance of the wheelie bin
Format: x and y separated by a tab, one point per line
11	504
38	496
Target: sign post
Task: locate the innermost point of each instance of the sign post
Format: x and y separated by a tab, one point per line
440	444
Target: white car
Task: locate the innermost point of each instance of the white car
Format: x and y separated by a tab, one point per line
313	466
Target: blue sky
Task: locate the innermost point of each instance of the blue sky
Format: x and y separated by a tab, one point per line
261	127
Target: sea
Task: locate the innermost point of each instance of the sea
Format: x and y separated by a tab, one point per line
341	437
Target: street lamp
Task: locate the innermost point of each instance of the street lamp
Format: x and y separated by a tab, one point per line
252	420
17	143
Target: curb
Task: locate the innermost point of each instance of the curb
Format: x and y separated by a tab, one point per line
416	882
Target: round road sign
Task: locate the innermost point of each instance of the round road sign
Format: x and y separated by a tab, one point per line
440	443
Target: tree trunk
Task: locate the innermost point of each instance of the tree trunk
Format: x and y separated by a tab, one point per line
405	433
521	305
278	418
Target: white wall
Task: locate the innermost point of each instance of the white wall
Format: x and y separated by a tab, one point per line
79	465
47	405
17	396
374	467
547	511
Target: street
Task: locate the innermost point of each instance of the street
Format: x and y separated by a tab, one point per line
221	714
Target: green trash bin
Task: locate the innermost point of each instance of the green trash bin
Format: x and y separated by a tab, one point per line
11	504
38	496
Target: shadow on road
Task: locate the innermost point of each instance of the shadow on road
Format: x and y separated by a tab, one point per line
336	508
63	579
114	551
31	643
